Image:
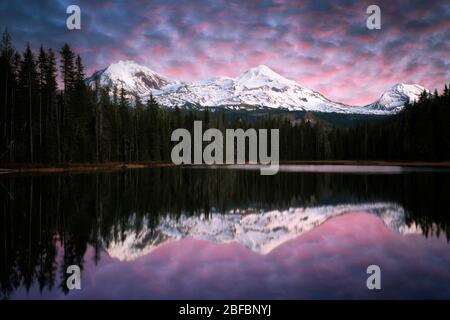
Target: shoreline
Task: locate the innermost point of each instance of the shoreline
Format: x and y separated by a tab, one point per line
402	163
25	168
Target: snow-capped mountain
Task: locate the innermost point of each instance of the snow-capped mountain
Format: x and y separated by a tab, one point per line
132	77
259	87
395	98
260	232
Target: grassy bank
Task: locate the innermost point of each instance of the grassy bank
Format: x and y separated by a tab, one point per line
114	166
78	167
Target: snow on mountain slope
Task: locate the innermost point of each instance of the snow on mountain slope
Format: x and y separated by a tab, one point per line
396	97
259	87
260	232
131	76
211	92
263	76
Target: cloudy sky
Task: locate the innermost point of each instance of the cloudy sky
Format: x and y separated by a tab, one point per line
324	45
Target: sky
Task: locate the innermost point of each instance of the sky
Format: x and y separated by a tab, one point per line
323	45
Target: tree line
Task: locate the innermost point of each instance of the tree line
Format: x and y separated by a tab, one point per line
42	123
421	131
49	121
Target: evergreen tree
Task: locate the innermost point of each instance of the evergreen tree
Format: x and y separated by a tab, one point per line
81	114
42	66
68	138
139	129
8	84
154	128
52	131
29	85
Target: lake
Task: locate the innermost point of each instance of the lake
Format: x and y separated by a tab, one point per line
309	232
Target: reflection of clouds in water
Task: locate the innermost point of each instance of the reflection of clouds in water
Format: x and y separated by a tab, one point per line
327	262
368	169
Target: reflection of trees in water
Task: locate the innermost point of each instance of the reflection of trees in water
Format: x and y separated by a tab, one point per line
43	213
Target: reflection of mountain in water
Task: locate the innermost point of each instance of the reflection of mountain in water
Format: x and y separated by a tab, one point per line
260	232
131	212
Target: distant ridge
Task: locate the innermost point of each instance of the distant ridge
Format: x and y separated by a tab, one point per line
258	87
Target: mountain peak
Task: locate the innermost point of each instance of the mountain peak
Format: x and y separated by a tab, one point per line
128	67
131	76
261	76
125	62
396	97
261	70
412	91
405	87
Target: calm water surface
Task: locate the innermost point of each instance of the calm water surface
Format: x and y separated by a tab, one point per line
203	233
